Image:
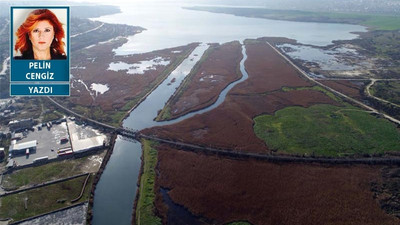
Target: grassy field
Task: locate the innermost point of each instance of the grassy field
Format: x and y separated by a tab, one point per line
47	172
315	88
388	90
239	223
326	130
145	205
42	200
374	21
50	116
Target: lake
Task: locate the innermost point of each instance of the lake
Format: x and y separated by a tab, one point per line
168	25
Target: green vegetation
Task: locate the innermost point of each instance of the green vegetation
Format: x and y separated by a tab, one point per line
388	90
327	130
145	205
112	118
374	21
239	223
382	22
103	33
47	172
165	113
50	116
315	88
30	107
382	44
45	199
117	117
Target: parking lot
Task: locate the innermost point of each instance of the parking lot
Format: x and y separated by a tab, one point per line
48	142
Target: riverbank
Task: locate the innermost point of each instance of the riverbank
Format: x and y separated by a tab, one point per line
218	67
144	211
122	86
97	178
230	125
165	75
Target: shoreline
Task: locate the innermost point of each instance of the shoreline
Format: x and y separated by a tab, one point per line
97	177
113	141
303	16
160	82
188	81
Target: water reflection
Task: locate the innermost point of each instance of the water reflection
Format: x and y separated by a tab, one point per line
169	25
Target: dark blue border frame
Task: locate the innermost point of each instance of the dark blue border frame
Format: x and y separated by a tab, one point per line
68	48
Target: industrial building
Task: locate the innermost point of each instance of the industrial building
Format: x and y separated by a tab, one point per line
22	148
78	144
87	144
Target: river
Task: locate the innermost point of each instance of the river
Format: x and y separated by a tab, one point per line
168	25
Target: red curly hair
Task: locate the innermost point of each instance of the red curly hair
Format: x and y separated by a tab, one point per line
22	43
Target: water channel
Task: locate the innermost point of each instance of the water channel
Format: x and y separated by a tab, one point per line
174	26
116	189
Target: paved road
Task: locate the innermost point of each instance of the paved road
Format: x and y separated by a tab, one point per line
233	153
81	116
277	158
369	108
379	99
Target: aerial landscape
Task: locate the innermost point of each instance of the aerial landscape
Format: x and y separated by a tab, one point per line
210	112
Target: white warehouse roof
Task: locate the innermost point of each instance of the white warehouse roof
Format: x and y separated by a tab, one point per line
24	145
88	143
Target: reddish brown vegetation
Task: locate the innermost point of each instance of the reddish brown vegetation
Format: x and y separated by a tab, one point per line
122	86
231	124
346	87
267	71
226	190
214	74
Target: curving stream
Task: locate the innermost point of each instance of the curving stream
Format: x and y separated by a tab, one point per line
168	25
115	192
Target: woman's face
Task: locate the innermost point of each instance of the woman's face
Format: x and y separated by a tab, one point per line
42	36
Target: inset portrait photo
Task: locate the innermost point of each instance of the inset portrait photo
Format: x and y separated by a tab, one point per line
40	33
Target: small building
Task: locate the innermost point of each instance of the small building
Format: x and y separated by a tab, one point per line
21	148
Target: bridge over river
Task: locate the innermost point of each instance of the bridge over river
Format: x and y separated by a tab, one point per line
129	133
